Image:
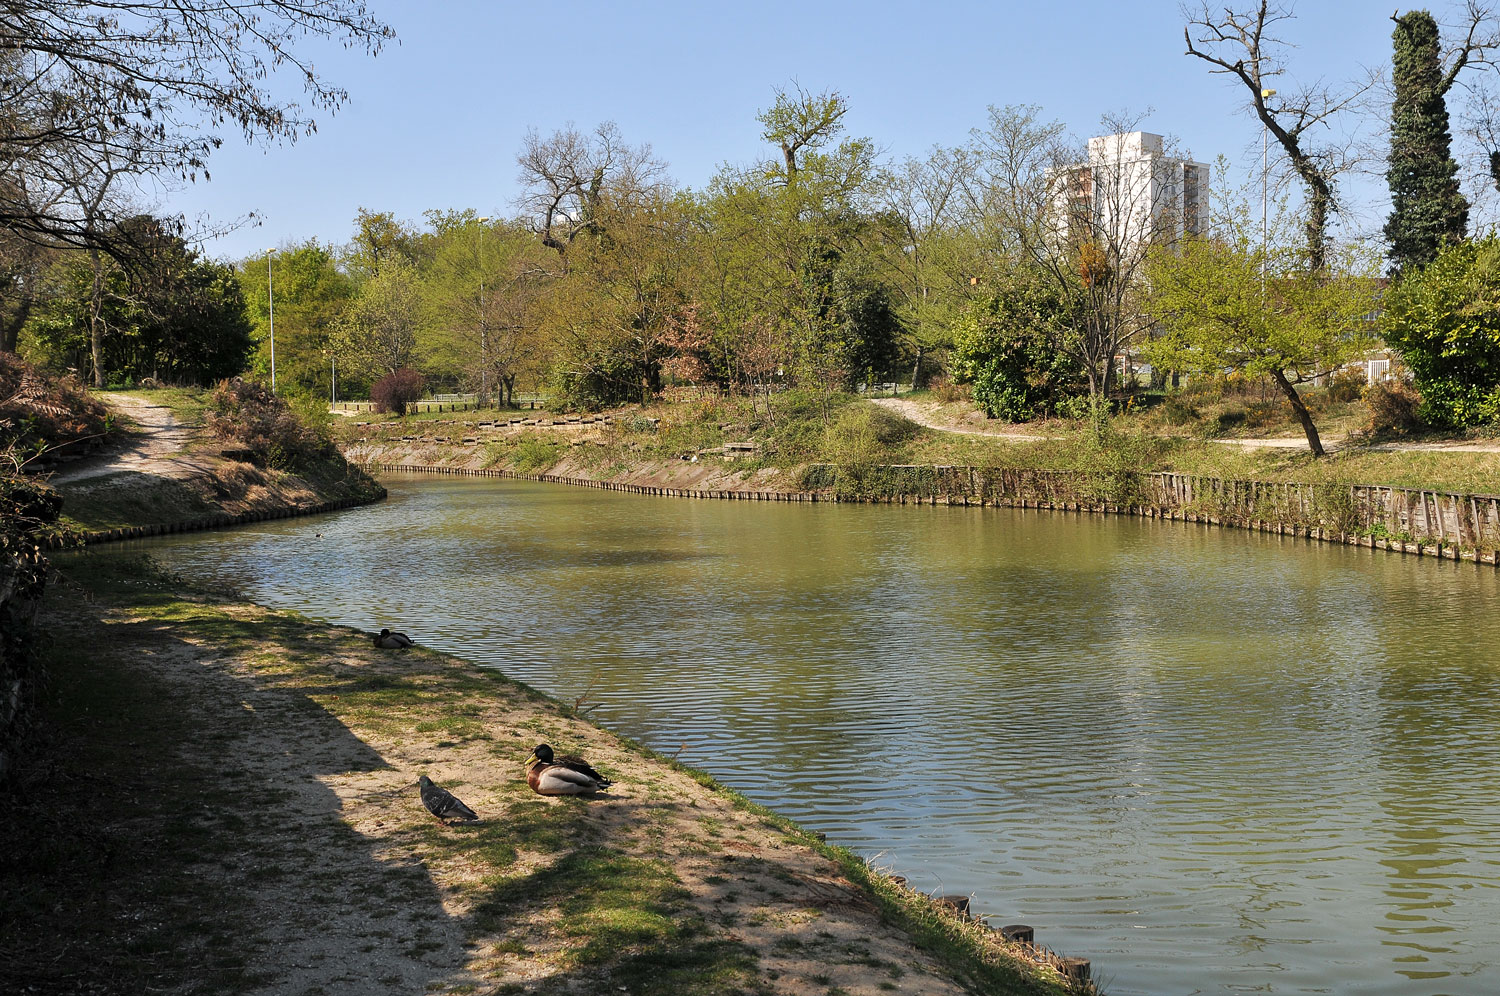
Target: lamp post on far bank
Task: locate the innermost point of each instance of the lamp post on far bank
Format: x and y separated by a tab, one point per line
484	359
271	311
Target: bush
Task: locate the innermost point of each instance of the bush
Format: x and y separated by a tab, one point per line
1076	407
395	391
534	454
947	392
1443	320
1004	347
867	434
1346	385
40	413
1221	423
259	421
1393	408
1178	410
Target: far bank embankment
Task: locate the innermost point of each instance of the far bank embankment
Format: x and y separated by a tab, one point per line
168	474
1402	520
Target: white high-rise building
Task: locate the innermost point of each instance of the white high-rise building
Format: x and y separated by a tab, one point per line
1130	194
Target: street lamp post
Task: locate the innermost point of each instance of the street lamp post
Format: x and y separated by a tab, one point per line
1265	223
484	359
271	311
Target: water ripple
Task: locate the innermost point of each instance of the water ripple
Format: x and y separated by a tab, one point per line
1211	761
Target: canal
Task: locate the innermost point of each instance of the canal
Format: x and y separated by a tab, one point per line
1211	761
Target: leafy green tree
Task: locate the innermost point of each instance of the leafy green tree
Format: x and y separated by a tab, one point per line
380	239
378	330
1427	208
1221	304
1003	346
172	316
482	287
311	293
1445	321
612	319
788	276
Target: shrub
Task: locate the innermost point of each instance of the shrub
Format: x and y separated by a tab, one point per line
1076	407
1262	413
40	413
261	422
1346	385
1178	410
536	454
1224	421
867	434
1004	346
1393	408
947	391
28	520
1443	320
395	391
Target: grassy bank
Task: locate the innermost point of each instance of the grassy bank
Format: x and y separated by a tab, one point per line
772	441
174	469
227	805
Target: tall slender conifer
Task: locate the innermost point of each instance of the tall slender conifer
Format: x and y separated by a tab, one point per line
1427	208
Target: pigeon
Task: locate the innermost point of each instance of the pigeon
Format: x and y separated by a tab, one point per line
442	803
393	641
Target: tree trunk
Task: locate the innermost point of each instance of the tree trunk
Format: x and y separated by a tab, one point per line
10	331
96	331
1300	408
1319	203
916	370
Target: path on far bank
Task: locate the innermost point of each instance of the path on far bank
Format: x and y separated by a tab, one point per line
157	446
971	423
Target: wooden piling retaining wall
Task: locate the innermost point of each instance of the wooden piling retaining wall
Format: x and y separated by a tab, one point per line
221	520
1404	520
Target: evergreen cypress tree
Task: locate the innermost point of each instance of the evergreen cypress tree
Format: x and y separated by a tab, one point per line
1427	208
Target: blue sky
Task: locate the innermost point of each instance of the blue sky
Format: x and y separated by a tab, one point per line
436	120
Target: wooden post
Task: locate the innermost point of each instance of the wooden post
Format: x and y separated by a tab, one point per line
1018	933
1074	969
958	904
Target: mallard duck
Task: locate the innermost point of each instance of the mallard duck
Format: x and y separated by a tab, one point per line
393	641
566	775
442	803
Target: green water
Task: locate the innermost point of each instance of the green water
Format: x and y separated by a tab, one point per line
1211	761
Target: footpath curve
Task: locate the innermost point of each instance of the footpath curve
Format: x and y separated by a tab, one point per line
923	415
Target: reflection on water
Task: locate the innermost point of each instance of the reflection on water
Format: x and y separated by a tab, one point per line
1210	761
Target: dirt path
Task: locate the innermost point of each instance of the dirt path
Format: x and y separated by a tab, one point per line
158	447
970	422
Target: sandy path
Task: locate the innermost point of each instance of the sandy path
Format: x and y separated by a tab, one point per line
929	416
156	448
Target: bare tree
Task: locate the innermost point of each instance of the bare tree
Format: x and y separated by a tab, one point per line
925	206
1085	218
1241	43
567	176
149	83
